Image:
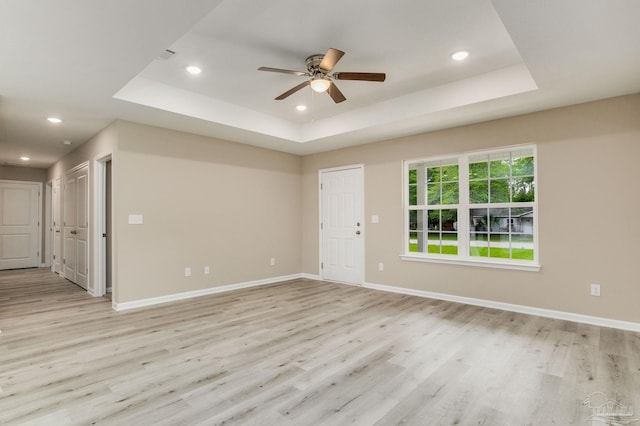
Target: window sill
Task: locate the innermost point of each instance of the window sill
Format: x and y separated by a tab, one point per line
531	267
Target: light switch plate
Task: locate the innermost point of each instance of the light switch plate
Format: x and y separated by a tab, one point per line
136	219
375	218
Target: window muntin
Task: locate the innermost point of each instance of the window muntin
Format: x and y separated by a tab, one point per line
479	206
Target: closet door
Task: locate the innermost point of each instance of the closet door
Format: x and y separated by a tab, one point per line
76	226
56	229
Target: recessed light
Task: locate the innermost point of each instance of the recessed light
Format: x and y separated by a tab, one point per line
66	142
192	69
54	120
301	107
460	55
25	158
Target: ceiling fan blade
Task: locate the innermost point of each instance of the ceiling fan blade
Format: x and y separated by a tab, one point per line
335	93
292	91
330	59
363	76
300	73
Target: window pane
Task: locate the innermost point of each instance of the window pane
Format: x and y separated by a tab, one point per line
413	195
478	220
433	174
449	236
413	220
479	244
450	173
522	254
413	176
498	220
479	167
479	191
522	220
499	246
434	242
434	220
449	220
433	194
522	189
499	165
499	190
522	163
522	247
449	243
450	193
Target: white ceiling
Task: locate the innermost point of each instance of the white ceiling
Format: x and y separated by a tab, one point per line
91	62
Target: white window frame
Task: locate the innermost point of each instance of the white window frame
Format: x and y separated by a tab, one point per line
463	207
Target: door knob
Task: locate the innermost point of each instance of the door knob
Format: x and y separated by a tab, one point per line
358	232
73	232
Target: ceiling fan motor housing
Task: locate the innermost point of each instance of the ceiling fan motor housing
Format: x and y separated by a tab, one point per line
313	64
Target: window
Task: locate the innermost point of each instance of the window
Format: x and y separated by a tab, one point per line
476	207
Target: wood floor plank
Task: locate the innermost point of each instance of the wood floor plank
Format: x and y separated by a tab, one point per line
301	352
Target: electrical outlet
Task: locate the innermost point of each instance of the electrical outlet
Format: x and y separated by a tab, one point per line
595	289
187	272
273	261
380	266
206	270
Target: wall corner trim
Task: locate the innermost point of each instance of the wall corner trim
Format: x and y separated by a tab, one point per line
197	293
530	310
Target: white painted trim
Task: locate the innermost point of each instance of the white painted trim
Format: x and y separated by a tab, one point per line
529	310
471	262
99	244
77	167
48	227
197	293
310	276
360	167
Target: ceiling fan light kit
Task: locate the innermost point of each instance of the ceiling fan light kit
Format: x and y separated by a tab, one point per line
319	68
320	84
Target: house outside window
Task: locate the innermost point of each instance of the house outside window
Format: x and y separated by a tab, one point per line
476	208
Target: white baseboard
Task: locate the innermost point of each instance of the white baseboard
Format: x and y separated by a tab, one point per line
568	316
548	313
197	293
310	277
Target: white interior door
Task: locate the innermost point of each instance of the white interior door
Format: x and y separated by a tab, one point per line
56	228
342	225
76	227
19	225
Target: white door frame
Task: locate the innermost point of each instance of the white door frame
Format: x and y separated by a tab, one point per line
99	287
336	169
48	227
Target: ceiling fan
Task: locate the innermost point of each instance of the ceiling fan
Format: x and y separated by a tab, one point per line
319	68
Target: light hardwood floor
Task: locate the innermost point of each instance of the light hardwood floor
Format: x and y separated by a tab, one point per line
299	353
